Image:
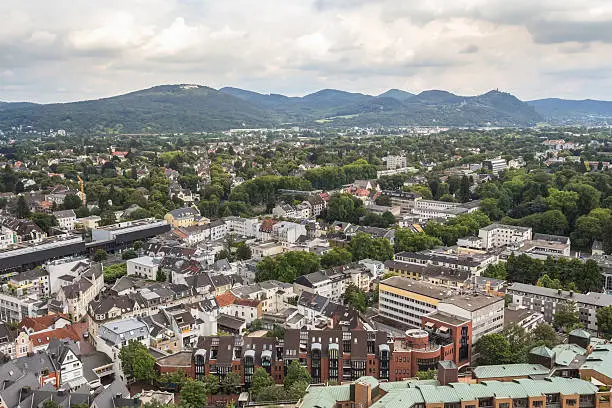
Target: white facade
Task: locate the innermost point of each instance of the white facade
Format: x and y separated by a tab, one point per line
498	235
144	267
395	162
66	219
244	227
288	232
486	313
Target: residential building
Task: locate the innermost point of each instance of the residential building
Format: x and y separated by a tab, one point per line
270	248
472	262
395	162
144	267
77	295
242	227
32	282
7	341
485	312
370	393
406	301
66	219
287	232
115	335
328	283
495	165
20	230
546	301
498	235
183	217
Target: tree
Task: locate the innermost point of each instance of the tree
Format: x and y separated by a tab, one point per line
160	276
566	318
72	202
211	384
137	245
296	372
297	390
230	384
346	208
519	342
243	252
100	255
336	257
129	254
50	404
363	246
464	193
277	331
261	379
355	297
22	209
496	271
193	393
144	365
44	221
408	240
546	282
114	272
493	349
173	379
426	375
544	335
604	321
131	367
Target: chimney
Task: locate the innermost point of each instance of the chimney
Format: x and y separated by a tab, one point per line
571	293
559	292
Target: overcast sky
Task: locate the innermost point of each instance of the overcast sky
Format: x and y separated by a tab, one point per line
64	50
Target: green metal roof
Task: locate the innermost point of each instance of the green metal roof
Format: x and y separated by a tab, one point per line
566	353
406	395
542	351
580	333
600	360
373	382
509	370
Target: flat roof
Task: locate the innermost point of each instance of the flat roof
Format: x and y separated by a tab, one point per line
474	302
418	287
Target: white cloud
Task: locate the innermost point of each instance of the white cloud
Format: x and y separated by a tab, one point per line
93	49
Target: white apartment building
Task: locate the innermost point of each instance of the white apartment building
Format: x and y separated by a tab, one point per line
485	312
242	227
395	162
288	232
66	219
260	251
498	235
76	296
329	284
144	267
495	165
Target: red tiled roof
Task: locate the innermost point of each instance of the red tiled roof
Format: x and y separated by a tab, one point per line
267	224
247	302
41	323
225	299
61	333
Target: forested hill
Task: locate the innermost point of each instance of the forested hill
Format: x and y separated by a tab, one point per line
193	108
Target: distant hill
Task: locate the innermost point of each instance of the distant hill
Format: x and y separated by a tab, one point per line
166	108
192	108
586	111
396	94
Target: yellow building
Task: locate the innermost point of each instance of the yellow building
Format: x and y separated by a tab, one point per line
183	217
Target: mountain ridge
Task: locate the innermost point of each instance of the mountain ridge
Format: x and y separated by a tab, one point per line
193	108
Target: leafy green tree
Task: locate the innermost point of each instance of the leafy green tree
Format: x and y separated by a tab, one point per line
144	366
114	272
355	297
346	208
193	393
566	317
426	375
295	373
100	255
464	194
363	246
336	257
50	404
493	349
490	207
564	201
544	335
277	331
230	384
408	240
211	384
546	282
288	266
243	252
519	342
174	379
160	276
129	254
72	202
496	271
22	209
298	389
44	221
604	321
261	380
129	356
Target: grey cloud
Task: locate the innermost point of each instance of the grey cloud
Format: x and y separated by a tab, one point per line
553	32
469	49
